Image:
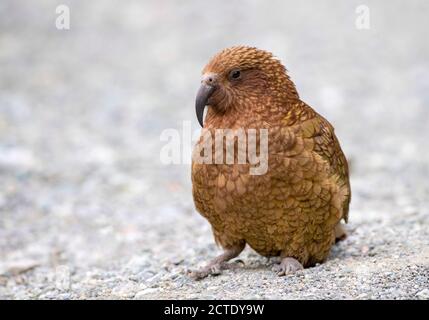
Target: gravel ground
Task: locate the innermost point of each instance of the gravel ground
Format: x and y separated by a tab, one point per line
87	209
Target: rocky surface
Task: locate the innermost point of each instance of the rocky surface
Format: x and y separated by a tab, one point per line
88	210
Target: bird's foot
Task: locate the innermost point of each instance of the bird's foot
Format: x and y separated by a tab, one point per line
215	269
287	266
218	264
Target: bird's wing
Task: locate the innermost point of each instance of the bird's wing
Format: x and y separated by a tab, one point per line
314	127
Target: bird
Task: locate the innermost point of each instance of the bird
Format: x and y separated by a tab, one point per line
295	209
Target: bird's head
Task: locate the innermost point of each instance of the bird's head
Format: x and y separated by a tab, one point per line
236	77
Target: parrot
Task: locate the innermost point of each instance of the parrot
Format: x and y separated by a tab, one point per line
295	207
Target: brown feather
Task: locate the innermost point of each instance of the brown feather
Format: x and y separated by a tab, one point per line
294	208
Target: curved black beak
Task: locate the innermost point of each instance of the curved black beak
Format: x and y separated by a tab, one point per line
204	93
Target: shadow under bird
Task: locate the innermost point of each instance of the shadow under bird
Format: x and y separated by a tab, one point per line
294	209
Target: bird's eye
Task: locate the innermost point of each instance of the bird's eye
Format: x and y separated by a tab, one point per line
235	74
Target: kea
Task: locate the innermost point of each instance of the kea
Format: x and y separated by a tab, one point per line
294	209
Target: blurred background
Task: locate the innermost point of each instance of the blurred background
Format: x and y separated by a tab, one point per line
82	187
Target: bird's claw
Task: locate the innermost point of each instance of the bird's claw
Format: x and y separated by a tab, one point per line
287	266
215	269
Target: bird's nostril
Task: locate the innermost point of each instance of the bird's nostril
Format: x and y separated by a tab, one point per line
209	79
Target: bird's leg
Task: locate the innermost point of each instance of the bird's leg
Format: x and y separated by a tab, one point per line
288	265
340	232
218	264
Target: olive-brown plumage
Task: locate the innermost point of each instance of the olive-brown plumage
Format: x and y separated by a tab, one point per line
293	210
